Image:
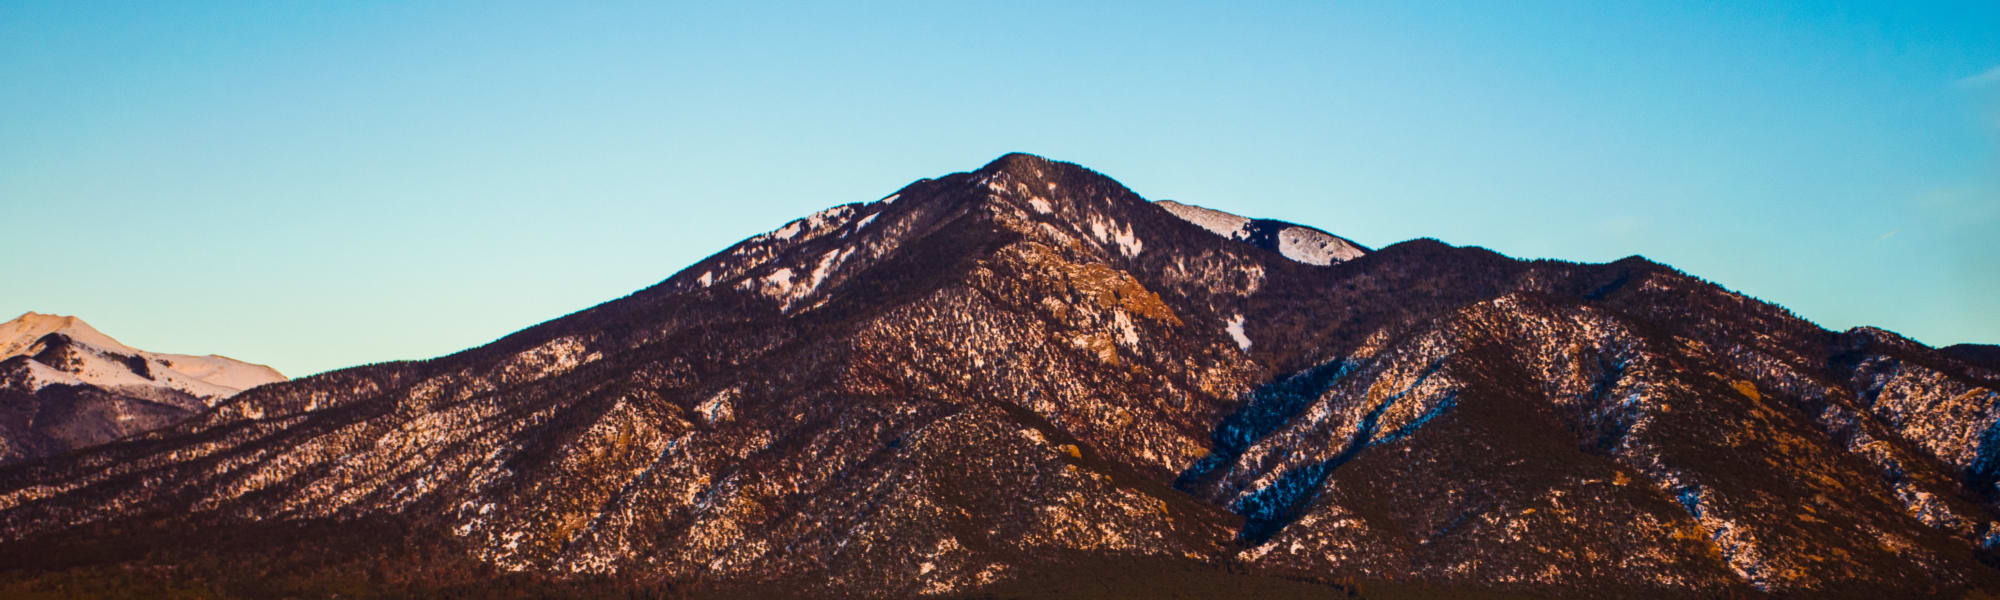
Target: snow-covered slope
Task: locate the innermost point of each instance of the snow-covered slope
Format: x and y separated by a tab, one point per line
66	350
18	335
1296	242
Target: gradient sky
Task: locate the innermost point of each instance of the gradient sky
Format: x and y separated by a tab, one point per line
319	185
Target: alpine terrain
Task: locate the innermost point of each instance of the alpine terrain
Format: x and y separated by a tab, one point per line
65	385
1027	381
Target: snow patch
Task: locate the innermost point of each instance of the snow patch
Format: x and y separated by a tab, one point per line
1215	221
790	229
41	376
814	225
1129	244
1127	332
1299	243
1314	247
779	283
827	264
551	358
826	216
1108	232
1235	330
1040	205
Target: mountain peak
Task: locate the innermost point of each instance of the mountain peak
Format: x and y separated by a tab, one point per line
1039	176
32	316
47	320
18	335
1022	163
210	376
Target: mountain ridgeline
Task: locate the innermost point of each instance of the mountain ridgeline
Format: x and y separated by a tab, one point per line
1026	380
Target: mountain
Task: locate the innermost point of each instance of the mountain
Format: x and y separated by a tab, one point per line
1027	381
65	385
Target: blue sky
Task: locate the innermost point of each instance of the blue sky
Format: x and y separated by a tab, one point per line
318	185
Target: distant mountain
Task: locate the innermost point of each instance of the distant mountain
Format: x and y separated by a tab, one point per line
1026	380
64	385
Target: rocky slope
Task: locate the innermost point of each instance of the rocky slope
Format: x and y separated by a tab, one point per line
1027	380
65	385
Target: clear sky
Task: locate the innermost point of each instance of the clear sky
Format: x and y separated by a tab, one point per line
317	185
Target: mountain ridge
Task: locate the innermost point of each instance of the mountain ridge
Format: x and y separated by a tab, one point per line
962	386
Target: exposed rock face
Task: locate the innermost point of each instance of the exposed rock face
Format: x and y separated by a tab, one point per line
991	377
65	385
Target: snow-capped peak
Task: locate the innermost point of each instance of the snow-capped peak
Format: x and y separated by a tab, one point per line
17	335
61	349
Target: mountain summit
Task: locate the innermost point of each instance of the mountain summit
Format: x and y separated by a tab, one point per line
64	384
1026	380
